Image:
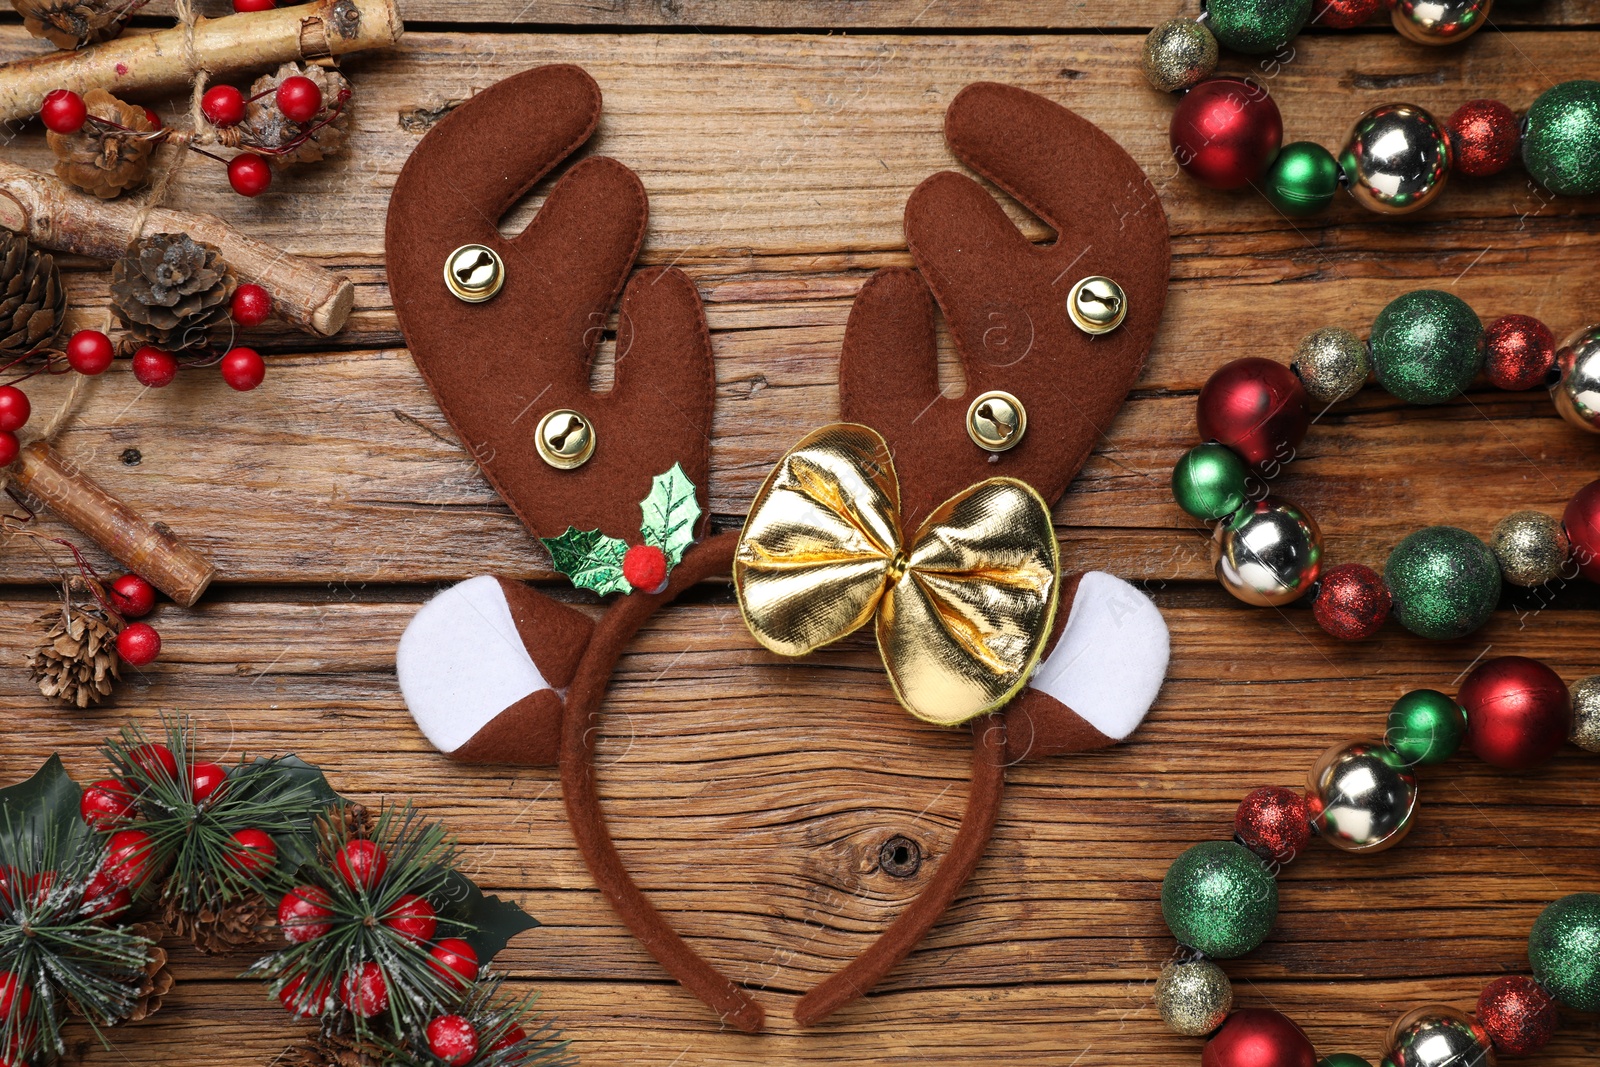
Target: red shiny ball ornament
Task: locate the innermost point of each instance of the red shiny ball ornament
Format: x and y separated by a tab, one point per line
1257	1037
105	803
1274	823
1519	712
299	98
1520	352
138	644
1344	14
645	568
63	111
9	447
303	914
14	408
1582	520
1484	138
455	961
413	918
154	368
1257	407
89	352
1226	132
223	105
1352	602
243	369
361	864
249	174
452	1039
251	305
132	596
1518	1015
205	779
364	990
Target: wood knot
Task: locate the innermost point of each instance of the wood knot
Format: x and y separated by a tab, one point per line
899	857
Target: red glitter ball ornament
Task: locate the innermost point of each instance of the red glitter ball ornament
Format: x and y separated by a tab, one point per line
1226	132
1257	407
1518	1015
1484	136
1344	14
1274	823
1352	602
1519	712
1521	352
1257	1037
1582	519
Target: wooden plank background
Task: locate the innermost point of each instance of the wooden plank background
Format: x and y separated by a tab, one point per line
751	796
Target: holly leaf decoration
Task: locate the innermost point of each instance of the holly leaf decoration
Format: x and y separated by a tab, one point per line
590	559
492	921
40	815
670	514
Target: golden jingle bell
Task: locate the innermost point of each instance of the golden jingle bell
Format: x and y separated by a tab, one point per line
1577	392
1097	305
996	421
474	273
564	439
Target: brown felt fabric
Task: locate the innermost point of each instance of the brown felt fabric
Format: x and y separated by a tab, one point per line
527	734
554	634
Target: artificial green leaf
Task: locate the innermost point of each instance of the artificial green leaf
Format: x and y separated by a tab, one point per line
590	559
41	810
494	922
670	514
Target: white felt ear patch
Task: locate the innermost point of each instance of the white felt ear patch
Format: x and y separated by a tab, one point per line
461	662
1112	656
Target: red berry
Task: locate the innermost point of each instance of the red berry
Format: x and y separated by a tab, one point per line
105	803
154	367
14	408
452	1039
645	568
302	912
361	864
15	997
243	369
103	898
513	1034
139	644
132	596
205	779
304	1006
130	860
9	447
364	991
253	851
249	174
223	105
153	119
89	352
455	961
299	98
254	5
37	886
251	305
155	760
412	917
63	111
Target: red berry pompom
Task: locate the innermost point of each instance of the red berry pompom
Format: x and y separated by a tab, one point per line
89	352
645	568
205	779
132	596
1274	823
254	5
63	111
251	305
1484	137
16	998
303	914
452	1039
105	803
455	961
1518	1014
364	990
1352	602
243	369
138	644
249	174
130	858
1520	352
14	408
156	760
9	447
361	864
299	98
223	105
305	1004
253	851
103	898
154	368
412	917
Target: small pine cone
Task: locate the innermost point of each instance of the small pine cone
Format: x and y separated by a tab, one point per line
77	663
99	159
72	24
170	290
336	1048
33	303
156	981
270	129
217	931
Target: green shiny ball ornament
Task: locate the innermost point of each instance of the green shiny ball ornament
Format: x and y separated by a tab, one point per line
1209	481
1303	179
1219	898
1427	346
1342	1059
1256	27
1445	582
1564	949
1561	139
1426	727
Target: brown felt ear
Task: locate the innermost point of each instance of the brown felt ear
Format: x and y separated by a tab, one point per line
498	367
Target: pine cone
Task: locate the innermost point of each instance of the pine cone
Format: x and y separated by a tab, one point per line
77	663
99	159
152	985
338	1048
217	931
270	129
74	23
33	304
169	290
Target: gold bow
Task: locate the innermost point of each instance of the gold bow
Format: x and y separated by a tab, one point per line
962	616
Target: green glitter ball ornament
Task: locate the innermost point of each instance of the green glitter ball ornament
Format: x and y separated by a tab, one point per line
1303	179
1343	1059
1564	949
1220	898
1561	139
1426	346
1209	481
1256	26
1426	727
1445	582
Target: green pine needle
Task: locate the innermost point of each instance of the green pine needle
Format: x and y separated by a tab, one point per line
493	1016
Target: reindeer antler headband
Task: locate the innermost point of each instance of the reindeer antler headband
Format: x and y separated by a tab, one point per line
923	514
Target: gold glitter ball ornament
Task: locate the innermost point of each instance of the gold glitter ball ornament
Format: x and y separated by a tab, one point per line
1531	546
1179	54
1193	998
1333	364
1586	713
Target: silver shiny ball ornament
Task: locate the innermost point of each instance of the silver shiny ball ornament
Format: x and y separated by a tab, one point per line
1267	553
1440	21
1577	391
1362	796
1397	159
1179	54
1586	713
1333	364
1437	1036
1193	998
1531	546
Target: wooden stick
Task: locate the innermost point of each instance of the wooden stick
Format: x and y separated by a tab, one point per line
145	548
56	216
163	61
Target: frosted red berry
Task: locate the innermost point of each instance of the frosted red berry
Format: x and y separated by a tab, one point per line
155	368
512	1034
14	408
307	1003
452	1039
63	111
223	105
299	98
89	352
130	858
132	596
364	990
105	803
103	898
249	174
254	5
205	779
9	448
251	305
455	961
361	864
156	760
243	369
15	996
645	568
253	851
304	912
138	644
412	917
1274	823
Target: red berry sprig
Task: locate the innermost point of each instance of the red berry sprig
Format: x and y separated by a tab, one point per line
14	413
63	111
89	352
132	596
154	367
138	644
300	99
452	1039
243	369
249	174
223	106
251	305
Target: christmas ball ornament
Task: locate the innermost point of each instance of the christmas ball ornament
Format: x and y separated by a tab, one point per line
1531	546
1561	139
1179	54
132	596
1268	553
1582	523
1577	389
154	368
1219	898
1225	132
251	305
1439	22
1564	950
14	408
455	961
130	858
1436	1036
1333	364
1484	137
138	644
1362	796
249	174
63	111
223	105
89	352
1256	27
412	917
9	448
1302	179
364	991
1210	482
1257	1037
1257	407
252	852
156	760
299	98
1586	713
205	779
1352	602
1517	1014
361	864
1426	727
1274	823
305	1003
452	1039
1396	159
645	568
1344	14
1427	346
303	914
243	369
1519	712
1193	998
1445	582
105	803
1519	352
